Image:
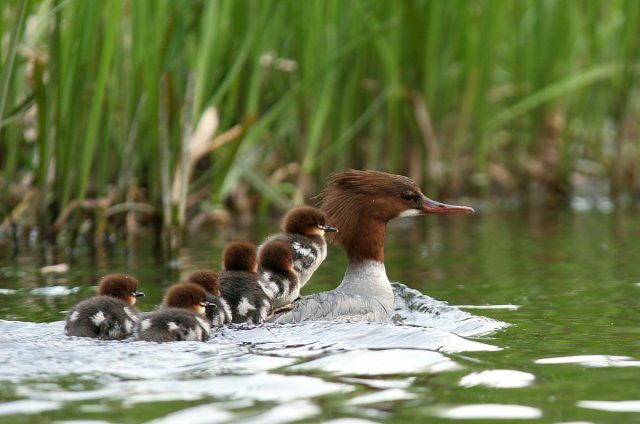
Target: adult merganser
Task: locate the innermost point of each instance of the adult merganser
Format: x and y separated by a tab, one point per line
182	319
218	312
241	286
108	316
275	261
361	203
304	229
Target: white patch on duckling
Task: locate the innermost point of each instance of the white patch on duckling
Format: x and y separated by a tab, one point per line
131	314
115	331
74	316
204	324
98	318
302	251
172	326
198	333
264	311
145	324
321	249
128	326
228	316
286	285
244	306
268	286
194	335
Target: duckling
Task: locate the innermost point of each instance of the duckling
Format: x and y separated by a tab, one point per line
220	313
108	316
304	228
241	286
275	259
182	319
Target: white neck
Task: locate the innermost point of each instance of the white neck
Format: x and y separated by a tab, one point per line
367	278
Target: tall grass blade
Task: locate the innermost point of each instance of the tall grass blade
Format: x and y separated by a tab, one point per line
97	105
9	61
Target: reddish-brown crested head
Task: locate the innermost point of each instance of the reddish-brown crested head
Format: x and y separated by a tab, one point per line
306	220
240	256
121	286
187	296
276	255
360	203
206	279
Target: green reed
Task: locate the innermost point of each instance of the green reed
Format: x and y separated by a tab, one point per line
466	97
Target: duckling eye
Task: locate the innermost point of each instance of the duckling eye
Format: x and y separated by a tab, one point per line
408	195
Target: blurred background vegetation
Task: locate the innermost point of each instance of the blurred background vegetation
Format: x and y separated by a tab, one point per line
171	115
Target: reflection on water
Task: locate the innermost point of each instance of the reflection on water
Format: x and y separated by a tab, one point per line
592	361
501	379
528	317
490	412
611	406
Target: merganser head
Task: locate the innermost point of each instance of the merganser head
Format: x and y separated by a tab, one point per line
187	296
276	255
120	286
361	203
206	279
240	256
308	221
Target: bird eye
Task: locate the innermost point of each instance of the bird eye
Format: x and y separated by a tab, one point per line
408	195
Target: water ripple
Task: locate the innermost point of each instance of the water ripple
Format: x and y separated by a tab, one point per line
611	406
282	364
591	361
500	379
490	412
415	308
312	338
380	362
27	406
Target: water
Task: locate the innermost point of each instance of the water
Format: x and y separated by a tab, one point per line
529	317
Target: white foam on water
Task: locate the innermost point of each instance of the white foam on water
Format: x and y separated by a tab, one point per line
380	362
389	395
611	406
202	414
266	363
415	308
499	379
490	411
54	291
27	407
591	361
